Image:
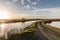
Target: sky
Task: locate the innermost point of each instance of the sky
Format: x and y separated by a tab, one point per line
32	7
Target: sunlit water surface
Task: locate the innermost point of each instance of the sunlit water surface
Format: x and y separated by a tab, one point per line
11	26
55	24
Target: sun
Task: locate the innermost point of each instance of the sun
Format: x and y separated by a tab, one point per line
4	14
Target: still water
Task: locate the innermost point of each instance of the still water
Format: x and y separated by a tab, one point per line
7	27
4	28
55	24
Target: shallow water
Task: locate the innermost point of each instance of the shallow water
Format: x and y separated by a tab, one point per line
7	27
55	24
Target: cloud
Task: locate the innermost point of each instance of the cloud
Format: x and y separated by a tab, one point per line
29	1
8	2
52	10
34	7
27	7
30	7
22	1
34	3
11	2
14	1
48	12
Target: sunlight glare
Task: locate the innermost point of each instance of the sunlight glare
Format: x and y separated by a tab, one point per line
4	14
2	28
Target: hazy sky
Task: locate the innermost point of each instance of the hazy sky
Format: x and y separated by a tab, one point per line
36	7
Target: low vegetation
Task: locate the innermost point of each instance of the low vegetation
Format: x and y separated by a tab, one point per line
53	28
26	34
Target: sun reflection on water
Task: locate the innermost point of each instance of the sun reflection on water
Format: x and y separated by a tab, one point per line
2	29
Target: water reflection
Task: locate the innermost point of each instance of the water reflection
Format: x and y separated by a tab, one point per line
4	28
17	25
55	24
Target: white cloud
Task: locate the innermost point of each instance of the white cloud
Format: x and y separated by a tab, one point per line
52	10
29	1
14	1
34	3
34	7
49	11
22	1
27	6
